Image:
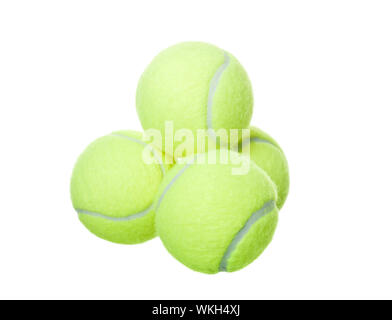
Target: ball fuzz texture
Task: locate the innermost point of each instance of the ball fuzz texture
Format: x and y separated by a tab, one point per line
197	86
268	155
113	188
212	220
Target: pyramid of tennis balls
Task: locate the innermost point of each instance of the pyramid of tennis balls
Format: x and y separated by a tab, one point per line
210	215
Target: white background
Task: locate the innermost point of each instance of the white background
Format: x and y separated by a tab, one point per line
322	80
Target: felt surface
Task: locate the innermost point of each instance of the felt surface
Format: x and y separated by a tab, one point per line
123	232
255	242
110	178
199	214
268	155
176	86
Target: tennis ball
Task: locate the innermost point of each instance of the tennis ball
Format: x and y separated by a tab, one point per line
212	220
113	186
268	155
196	86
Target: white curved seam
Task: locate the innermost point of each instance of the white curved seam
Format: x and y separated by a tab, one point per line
153	151
256	216
258	140
211	93
167	188
127	218
135	215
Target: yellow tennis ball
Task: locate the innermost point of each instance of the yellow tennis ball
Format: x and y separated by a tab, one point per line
113	187
269	156
214	218
196	86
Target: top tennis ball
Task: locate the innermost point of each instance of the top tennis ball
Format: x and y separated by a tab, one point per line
197	86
